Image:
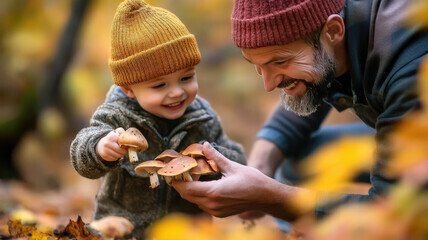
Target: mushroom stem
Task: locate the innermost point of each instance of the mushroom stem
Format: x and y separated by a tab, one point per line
195	177
187	177
168	180
133	157
154	180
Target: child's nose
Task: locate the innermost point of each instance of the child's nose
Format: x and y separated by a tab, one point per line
176	92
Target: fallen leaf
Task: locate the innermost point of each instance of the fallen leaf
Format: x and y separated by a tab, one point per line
76	229
19	230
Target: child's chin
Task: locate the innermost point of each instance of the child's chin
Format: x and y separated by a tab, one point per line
173	116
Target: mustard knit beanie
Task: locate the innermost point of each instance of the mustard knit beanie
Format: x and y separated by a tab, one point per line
149	42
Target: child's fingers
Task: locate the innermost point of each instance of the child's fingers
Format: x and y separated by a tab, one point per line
119	131
109	155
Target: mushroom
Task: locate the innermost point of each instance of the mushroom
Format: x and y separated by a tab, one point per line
151	167
135	141
193	150
167	155
213	165
178	168
203	168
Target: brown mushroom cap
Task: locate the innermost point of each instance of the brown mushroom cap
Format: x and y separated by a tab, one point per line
178	166
213	165
202	168
150	166
133	138
167	155
193	150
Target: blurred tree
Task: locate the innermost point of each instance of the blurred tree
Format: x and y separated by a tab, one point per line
20	115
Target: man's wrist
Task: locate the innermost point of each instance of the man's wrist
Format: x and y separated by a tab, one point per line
289	203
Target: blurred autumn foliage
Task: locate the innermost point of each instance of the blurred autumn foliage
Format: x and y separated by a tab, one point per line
53	60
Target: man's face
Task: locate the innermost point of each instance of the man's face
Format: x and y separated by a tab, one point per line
300	71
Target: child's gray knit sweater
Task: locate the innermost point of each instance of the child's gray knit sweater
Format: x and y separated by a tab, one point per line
126	193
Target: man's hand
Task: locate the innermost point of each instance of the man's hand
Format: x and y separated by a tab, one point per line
241	188
108	148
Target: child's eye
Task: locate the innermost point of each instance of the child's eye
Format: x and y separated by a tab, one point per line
157	86
187	78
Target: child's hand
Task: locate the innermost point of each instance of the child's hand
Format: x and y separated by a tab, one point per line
108	148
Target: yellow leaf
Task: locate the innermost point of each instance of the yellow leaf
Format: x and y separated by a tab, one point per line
24	216
409	143
332	168
423	79
417	13
172	227
347	153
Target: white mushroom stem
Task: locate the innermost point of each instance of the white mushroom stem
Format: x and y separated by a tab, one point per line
133	157
154	180
187	177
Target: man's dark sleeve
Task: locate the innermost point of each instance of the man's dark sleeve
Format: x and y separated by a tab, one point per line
289	131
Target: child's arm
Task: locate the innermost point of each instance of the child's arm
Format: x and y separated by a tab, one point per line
229	148
92	152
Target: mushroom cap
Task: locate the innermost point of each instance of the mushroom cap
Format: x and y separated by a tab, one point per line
167	155
150	166
202	168
132	137
178	166
213	165
194	150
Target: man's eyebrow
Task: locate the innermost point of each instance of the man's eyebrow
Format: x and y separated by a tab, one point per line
274	59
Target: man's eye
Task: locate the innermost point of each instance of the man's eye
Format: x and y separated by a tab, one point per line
160	85
280	62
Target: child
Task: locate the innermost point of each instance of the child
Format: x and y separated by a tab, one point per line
153	59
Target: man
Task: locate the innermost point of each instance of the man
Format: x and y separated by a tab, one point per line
319	54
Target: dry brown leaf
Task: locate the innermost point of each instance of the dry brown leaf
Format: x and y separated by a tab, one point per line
76	229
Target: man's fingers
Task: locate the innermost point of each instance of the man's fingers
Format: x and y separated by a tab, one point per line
192	189
212	154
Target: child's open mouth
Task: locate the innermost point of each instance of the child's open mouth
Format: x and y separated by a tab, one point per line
175	106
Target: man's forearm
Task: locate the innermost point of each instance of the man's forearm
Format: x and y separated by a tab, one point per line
265	156
288	202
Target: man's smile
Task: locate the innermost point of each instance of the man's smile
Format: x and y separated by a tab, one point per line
293	87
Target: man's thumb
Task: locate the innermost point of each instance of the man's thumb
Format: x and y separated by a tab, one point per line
212	154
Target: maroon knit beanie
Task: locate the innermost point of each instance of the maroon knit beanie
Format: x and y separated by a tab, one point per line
261	23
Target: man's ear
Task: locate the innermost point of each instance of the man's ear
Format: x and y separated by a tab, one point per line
333	30
128	91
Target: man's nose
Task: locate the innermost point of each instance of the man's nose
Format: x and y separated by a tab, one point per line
270	81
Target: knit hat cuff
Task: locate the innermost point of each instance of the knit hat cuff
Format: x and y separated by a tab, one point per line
285	26
161	60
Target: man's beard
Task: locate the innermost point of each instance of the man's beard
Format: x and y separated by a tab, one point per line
309	102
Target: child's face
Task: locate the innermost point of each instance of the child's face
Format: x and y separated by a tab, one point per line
167	96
